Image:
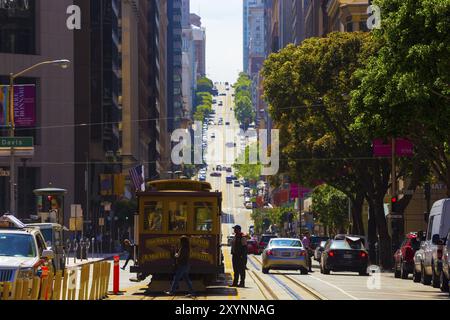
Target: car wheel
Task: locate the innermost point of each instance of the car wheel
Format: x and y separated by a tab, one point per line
417	276
403	271
303	271
425	279
396	271
363	273
435	280
444	282
325	270
265	270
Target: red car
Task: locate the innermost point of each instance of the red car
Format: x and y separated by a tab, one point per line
404	257
252	247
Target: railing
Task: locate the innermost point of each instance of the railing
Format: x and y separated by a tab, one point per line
84	282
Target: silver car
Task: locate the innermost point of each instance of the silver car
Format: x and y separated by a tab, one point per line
285	254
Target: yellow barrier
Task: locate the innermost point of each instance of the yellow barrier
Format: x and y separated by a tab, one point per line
93	280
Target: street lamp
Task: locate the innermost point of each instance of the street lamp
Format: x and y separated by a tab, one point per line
64	64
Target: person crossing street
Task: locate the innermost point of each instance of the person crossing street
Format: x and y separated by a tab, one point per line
239	254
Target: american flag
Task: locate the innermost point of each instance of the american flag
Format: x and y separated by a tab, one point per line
137	175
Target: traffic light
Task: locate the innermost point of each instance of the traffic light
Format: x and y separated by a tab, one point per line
394	204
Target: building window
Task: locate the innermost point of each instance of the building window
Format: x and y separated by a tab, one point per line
18	26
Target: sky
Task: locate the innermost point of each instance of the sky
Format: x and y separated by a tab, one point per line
224	37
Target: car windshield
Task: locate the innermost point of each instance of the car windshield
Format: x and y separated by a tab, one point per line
17	245
347	244
286	243
47	233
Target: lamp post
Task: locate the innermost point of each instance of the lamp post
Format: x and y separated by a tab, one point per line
12	76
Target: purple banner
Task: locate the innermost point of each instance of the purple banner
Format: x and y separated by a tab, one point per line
296	190
4	106
403	148
24	105
380	149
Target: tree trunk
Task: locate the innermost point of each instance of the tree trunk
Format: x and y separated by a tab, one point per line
372	238
384	245
357	206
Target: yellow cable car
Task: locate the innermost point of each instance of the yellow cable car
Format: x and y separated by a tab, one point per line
169	209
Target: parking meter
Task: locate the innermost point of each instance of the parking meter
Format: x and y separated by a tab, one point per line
93	247
68	247
87	245
75	249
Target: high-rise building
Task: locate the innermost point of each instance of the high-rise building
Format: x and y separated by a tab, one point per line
347	15
199	39
27	37
254	37
298	21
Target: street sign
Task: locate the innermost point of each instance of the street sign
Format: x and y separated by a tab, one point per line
16	142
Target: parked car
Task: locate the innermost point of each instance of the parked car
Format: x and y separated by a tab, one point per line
345	255
264	240
404	256
249	205
319	249
438	228
252	246
54	237
285	254
229	169
229	180
418	258
237	183
23	251
315	241
219	168
445	274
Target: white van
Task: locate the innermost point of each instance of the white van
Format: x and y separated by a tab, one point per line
437	231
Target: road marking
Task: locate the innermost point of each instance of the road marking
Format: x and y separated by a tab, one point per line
336	287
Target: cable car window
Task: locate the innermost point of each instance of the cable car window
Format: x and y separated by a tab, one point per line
203	215
178	215
153	215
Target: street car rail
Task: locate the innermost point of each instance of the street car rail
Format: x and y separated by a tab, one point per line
302	286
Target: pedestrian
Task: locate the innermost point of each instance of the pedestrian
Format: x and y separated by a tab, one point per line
182	267
239	253
129	248
307	244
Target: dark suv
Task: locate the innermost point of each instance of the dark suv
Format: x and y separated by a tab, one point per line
264	241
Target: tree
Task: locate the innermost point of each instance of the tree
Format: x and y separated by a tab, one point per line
330	207
205	85
308	89
245	169
244	111
405	89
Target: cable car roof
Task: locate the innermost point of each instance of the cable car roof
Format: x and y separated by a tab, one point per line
179	185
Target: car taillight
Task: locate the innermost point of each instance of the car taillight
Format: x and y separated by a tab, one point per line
269	252
362	254
261	244
331	253
301	253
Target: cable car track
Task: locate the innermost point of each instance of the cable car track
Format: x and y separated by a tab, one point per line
302	286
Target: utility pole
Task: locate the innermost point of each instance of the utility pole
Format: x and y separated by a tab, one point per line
12	158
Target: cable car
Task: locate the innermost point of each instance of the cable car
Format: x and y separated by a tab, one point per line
169	209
